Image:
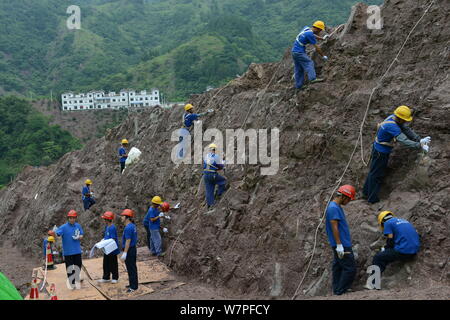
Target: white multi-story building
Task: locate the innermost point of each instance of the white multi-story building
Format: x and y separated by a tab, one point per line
100	100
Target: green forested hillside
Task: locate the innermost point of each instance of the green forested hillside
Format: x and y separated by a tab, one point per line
121	41
26	138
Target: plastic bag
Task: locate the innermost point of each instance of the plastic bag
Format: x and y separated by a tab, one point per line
133	156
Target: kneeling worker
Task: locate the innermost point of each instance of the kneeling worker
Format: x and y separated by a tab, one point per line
402	241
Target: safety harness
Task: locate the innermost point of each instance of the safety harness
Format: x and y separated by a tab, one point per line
210	167
300	34
385	143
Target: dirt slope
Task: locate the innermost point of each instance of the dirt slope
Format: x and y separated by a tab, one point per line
260	237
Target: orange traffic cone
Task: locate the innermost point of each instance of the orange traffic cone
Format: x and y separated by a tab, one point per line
53	295
34	293
49	256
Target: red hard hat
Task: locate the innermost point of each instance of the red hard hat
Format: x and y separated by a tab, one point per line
348	190
165	206
128	213
72	213
51	233
108	215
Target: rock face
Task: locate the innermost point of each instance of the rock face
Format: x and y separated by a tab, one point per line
260	237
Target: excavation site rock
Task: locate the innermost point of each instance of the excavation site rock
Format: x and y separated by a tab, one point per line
260	237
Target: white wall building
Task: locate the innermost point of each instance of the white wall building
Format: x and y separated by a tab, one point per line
100	100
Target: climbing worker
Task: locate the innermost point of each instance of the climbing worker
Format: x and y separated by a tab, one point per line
87	195
402	240
152	218
129	241
392	129
211	164
344	267
71	234
110	265
123	154
188	119
50	239
302	62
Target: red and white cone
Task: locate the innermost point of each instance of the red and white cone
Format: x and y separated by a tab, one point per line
53	295
34	293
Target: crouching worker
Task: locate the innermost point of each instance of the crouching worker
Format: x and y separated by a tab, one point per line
110	265
402	240
88	196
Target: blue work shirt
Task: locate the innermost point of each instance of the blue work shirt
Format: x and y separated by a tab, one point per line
386	133
406	238
306	36
70	246
110	232
153	213
335	212
189	118
122	151
85	191
214	163
129	232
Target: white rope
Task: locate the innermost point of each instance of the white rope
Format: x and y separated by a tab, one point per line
354	149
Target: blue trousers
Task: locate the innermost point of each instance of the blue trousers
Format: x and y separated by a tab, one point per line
130	262
344	271
302	64
211	179
383	258
378	166
88	202
155	241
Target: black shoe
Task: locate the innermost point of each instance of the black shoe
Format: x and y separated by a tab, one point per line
131	290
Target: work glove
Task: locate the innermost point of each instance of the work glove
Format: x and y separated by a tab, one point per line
177	206
55	228
325	58
76	237
425	140
426	147
340	251
382	249
161	214
123	256
210	110
167	217
165	230
325	37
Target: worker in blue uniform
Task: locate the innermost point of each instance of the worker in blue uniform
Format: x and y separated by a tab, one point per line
129	254
344	266
302	62
188	120
154	224
87	195
110	265
402	241
123	154
72	234
211	165
392	129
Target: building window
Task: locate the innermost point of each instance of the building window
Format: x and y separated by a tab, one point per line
65	108
132	99
109	106
123	99
81	101
65	102
90	107
90	101
75	107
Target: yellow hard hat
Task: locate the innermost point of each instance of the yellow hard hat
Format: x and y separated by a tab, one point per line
51	239
157	200
188	107
124	141
381	217
403	112
212	146
319	25
88	181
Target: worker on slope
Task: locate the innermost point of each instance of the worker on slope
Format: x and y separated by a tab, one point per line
188	119
110	265
87	195
129	241
402	241
211	164
302	62
392	129
152	219
123	154
344	266
71	234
